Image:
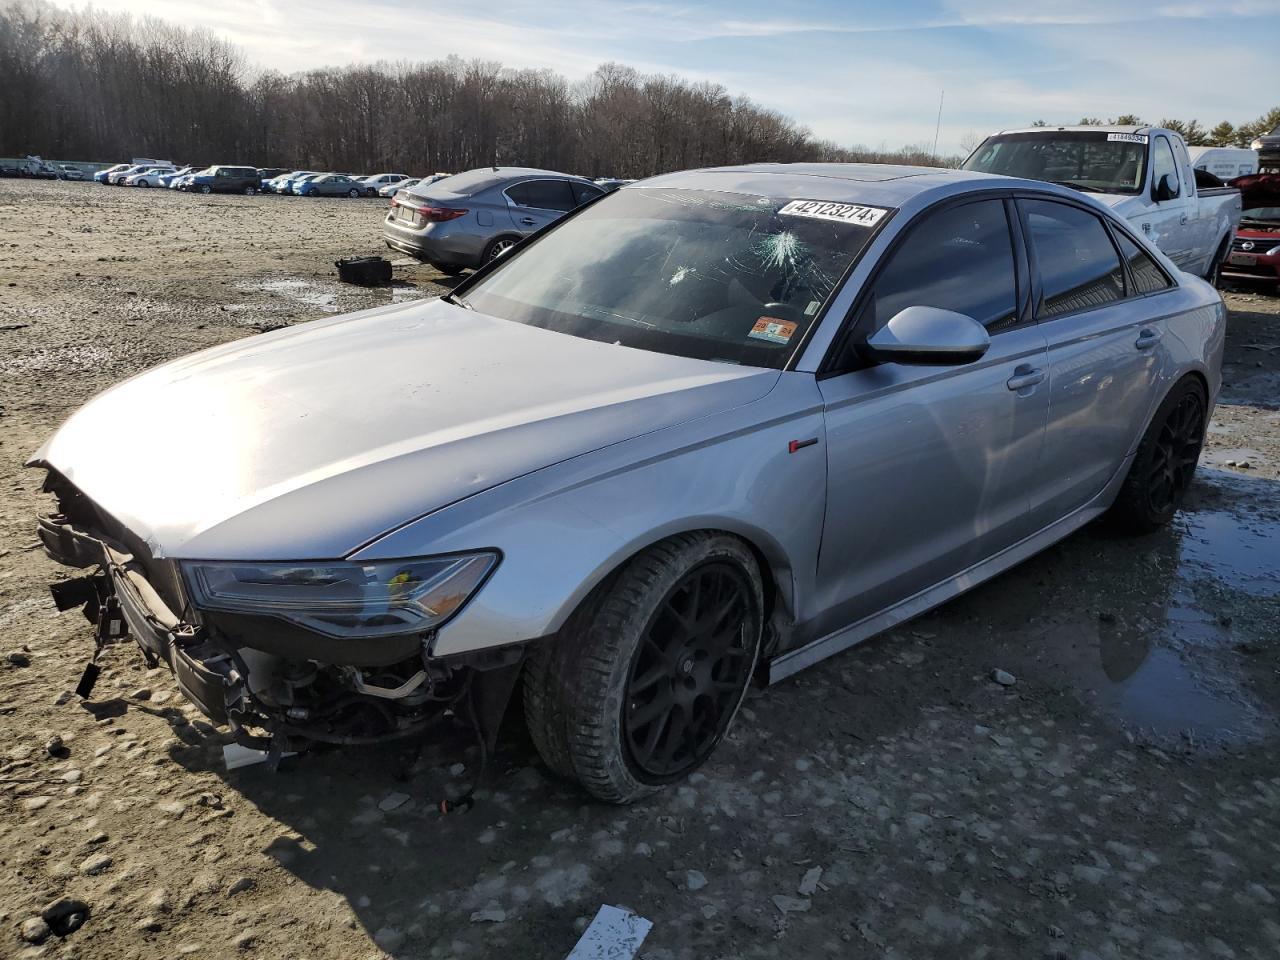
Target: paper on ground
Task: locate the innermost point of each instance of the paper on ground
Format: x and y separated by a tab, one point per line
615	934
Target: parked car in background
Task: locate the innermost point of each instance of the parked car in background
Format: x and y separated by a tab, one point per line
391	189
267	174
149	177
1225	163
1255	252
103	176
283	182
119	176
470	218
224	179
67	171
329	185
1143	173
166	179
1268	147
375	183
721	425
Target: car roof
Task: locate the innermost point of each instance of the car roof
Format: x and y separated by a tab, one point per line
1088	128
877	184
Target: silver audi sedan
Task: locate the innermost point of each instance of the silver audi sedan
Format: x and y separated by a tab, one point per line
715	426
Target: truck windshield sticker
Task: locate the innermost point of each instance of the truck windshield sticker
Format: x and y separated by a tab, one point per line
840	212
1127	137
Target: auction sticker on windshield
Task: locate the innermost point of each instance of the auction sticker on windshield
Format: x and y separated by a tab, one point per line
840	212
1127	137
773	330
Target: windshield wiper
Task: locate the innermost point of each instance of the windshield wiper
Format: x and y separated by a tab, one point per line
1072	184
457	300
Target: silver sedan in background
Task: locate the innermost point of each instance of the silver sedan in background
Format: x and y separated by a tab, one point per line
719	425
471	218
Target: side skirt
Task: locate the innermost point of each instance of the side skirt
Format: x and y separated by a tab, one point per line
790	662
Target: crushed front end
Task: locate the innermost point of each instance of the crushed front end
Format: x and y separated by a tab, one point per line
287	655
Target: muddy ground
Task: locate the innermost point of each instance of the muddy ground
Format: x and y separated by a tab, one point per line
1120	800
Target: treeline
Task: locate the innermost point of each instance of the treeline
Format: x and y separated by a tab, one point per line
92	86
1224	134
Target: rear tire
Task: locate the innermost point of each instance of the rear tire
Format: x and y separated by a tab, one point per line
646	677
449	269
250	191
206	189
498	246
1165	463
353	193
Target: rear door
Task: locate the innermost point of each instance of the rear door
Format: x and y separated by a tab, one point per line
1101	320
929	467
536	203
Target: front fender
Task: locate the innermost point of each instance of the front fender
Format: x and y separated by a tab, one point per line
565	528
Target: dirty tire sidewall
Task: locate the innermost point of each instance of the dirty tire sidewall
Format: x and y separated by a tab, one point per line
595	663
1132	511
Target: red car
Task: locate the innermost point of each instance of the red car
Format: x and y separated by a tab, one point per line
1255	251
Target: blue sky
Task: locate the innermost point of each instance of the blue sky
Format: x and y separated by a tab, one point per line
866	73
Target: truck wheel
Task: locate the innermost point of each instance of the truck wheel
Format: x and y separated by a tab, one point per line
1214	273
647	676
1165	462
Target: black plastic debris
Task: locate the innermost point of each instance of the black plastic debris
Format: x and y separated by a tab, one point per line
364	271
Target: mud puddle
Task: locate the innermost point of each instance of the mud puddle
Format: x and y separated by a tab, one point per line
1159	646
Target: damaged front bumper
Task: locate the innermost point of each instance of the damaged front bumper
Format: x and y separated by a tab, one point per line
278	687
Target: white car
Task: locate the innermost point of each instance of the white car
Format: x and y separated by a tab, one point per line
149	177
373	185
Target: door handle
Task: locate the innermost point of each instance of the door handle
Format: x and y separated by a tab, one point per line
1147	338
1183	219
528	220
1025	375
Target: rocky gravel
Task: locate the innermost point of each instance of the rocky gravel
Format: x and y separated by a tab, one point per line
1077	760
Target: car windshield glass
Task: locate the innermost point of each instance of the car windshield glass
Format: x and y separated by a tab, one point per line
718	276
1270	214
1102	161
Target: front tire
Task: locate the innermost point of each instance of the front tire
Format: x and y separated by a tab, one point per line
1165	463
646	678
250	191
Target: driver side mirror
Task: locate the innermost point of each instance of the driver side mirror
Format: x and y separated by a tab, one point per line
928	336
1166	189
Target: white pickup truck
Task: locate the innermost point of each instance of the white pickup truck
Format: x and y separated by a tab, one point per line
1143	173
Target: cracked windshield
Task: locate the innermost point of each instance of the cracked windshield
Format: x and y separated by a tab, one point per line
719	276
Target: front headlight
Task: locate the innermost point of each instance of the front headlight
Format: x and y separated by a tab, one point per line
348	600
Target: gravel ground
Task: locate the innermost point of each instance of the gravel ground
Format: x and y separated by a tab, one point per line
1118	799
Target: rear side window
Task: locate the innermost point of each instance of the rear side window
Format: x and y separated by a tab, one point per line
1079	266
1146	276
959	259
549	195
519	194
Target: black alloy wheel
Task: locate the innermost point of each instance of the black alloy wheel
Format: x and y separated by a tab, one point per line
688	673
1175	453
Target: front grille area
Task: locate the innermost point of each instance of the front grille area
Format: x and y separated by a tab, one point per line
1257	244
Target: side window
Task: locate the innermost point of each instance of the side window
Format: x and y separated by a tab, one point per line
519	194
550	195
1079	266
1147	277
1184	164
959	259
582	192
1162	163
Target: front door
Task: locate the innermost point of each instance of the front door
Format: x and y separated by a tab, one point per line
1168	222
929	467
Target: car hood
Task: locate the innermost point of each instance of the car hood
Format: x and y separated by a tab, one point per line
309	442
